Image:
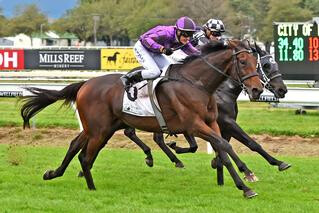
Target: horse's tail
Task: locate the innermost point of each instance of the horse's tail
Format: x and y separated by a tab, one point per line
42	98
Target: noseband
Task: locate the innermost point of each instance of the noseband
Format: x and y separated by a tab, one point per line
235	61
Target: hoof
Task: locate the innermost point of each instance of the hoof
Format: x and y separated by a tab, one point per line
149	162
250	194
48	175
283	166
213	163
179	165
171	144
80	174
92	188
251	177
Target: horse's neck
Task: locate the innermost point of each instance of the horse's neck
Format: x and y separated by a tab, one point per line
229	89
203	75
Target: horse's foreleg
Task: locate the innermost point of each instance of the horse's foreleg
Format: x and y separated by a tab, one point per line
240	135
158	138
130	133
249	175
75	146
180	150
223	147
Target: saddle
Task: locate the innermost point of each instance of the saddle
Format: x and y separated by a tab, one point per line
140	99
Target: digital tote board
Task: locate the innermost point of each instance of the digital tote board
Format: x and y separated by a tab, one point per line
297	49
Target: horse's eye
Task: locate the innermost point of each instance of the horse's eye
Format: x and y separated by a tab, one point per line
243	62
266	66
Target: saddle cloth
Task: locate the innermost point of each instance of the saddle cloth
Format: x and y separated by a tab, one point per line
142	105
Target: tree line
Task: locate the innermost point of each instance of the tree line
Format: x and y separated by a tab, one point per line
114	19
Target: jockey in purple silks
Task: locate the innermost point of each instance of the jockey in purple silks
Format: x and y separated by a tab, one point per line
157	41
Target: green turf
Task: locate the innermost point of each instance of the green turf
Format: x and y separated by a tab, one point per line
125	184
52	116
257	118
260	118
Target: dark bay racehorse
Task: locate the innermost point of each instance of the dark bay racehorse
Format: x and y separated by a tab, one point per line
226	96
186	103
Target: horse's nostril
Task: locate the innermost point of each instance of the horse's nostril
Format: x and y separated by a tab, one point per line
256	92
282	91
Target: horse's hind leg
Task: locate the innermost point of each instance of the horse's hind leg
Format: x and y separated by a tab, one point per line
75	146
158	138
82	155
90	151
130	133
180	150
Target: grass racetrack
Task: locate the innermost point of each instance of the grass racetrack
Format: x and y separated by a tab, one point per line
125	184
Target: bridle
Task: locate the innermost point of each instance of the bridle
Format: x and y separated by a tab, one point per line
266	79
240	80
273	74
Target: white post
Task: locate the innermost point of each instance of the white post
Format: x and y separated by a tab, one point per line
209	148
77	116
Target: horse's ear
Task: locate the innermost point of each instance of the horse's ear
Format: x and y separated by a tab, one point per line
246	43
258	49
231	43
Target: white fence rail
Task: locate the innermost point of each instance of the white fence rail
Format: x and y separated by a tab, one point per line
295	95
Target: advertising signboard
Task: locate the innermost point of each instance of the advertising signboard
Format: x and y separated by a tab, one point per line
11	59
118	59
63	59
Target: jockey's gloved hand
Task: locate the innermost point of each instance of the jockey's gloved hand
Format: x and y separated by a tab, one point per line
168	51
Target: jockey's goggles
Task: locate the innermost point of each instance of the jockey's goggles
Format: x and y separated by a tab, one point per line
216	34
187	33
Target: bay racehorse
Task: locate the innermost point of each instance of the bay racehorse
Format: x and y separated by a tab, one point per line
226	96
186	105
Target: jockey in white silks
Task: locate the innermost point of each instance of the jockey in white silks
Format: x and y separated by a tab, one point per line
212	30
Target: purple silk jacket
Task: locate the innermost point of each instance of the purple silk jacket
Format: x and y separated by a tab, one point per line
165	36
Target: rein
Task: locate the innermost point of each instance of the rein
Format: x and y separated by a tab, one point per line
234	55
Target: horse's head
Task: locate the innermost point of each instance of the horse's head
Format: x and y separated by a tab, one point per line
269	73
244	68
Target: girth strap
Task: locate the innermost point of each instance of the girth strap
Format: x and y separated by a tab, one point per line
157	112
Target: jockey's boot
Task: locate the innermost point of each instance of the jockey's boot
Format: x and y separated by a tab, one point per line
132	78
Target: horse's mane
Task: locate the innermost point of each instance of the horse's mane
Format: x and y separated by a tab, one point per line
210	47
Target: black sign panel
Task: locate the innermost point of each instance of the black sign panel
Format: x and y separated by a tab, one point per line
62	59
297	50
